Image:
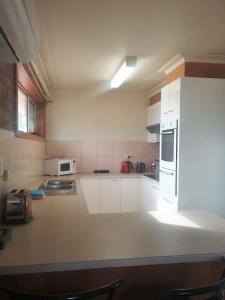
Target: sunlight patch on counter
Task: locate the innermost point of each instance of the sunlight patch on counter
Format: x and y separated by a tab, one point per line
173	218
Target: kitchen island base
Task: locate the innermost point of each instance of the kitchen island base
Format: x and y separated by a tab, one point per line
141	282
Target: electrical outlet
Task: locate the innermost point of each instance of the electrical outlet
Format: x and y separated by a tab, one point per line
1	165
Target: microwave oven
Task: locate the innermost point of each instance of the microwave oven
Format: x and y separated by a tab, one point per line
58	167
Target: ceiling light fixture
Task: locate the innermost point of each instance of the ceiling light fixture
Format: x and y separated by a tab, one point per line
124	71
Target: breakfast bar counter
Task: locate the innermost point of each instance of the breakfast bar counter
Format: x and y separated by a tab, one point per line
67	248
64	236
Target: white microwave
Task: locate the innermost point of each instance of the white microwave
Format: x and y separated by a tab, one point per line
58	167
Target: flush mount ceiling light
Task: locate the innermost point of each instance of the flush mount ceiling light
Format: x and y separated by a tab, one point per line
124	71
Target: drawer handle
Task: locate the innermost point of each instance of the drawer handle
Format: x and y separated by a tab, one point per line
167	200
167	173
154	187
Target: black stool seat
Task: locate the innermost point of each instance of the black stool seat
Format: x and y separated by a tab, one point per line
213	291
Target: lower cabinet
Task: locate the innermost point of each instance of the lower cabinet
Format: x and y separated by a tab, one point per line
115	195
130	194
150	195
109	195
90	188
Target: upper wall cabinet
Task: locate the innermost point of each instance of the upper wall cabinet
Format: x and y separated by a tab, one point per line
153	118
170	99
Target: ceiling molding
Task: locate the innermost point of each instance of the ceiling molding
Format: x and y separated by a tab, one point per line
37	68
172	64
179	59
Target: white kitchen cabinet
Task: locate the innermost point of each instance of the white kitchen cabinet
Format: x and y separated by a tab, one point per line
90	187
153	137
153	117
150	194
130	194
168	184
109	195
153	114
175	96
170	99
165	100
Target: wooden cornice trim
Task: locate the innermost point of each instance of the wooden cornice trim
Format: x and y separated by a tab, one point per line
197	69
176	73
187	66
24	78
155	98
204	70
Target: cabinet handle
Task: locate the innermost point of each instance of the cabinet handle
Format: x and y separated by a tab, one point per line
171	110
167	200
167	173
168	132
154	187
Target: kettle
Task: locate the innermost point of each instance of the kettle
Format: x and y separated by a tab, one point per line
140	167
126	166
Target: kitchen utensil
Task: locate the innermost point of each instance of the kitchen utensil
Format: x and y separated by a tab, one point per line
140	167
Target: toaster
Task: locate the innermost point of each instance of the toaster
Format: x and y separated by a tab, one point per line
17	207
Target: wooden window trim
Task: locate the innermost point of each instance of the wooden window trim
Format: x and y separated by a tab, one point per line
25	83
29	136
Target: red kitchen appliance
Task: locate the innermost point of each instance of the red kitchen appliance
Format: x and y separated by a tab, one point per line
154	166
126	166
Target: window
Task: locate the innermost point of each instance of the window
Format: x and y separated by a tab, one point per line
26	113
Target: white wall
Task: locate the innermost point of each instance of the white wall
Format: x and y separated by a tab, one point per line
109	116
202	145
23	159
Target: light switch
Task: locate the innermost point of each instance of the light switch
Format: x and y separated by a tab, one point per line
1	165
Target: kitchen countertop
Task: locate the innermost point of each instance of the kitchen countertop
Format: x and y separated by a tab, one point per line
64	236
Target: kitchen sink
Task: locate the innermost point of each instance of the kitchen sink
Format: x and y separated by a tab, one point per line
59	187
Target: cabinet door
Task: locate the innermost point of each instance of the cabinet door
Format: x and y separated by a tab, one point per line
149	116
90	188
153	137
153	114
165	100
109	195
130	194
150	195
168	184
174	97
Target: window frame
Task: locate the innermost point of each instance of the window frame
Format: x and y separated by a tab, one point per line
29	99
22	134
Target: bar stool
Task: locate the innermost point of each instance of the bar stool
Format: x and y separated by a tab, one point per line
107	290
213	291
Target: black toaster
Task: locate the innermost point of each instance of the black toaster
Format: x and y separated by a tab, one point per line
17	207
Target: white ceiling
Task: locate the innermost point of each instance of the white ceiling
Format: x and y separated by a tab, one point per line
84	41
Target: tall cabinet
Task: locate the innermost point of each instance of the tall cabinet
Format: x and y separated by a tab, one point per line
199	105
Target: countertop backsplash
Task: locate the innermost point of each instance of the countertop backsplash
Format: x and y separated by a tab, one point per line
91	155
22	158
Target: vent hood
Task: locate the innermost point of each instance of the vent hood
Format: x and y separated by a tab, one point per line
154	128
19	31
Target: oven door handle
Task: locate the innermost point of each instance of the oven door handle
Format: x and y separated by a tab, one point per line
168	132
167	173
